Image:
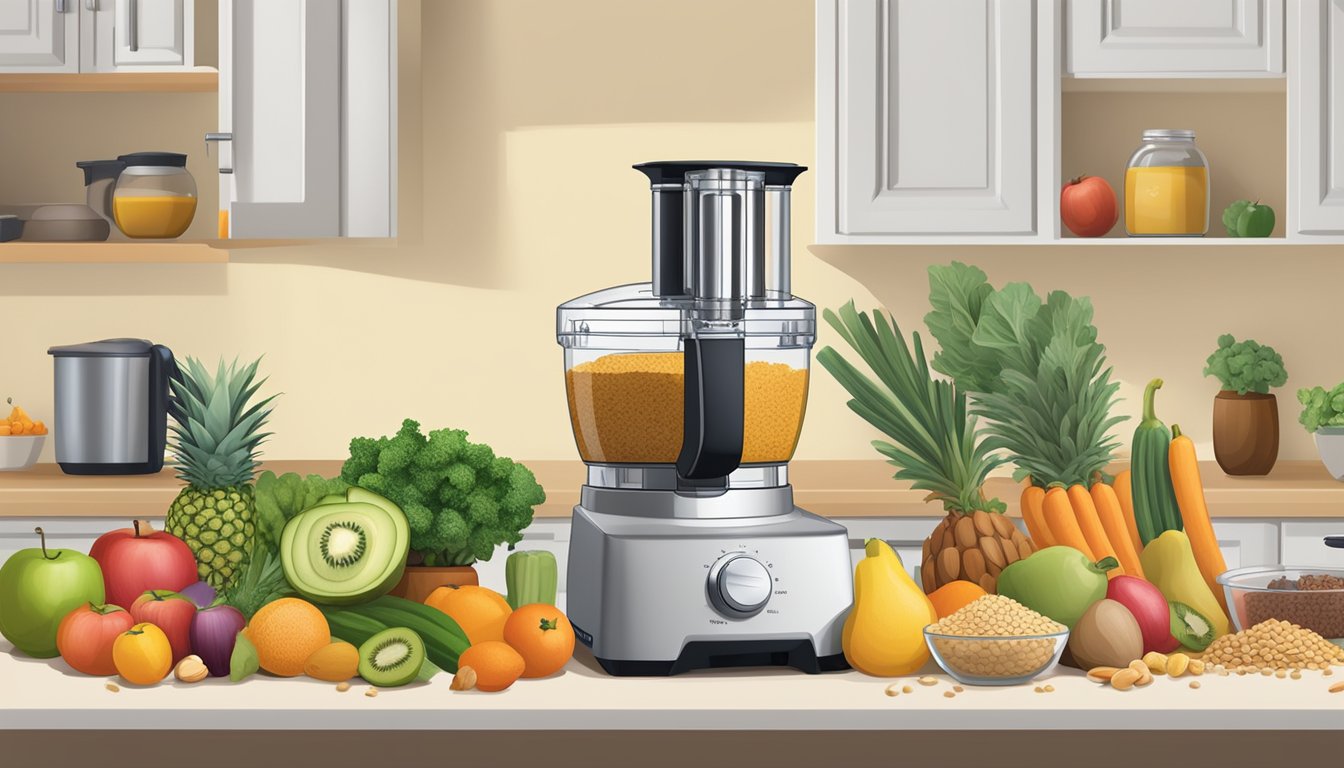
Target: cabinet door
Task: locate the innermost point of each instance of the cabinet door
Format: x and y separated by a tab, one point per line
133	34
1304	543
39	36
1316	118
279	97
929	109
1190	38
1247	542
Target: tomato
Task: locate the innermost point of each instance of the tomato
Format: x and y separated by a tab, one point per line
142	654
542	636
86	634
1088	207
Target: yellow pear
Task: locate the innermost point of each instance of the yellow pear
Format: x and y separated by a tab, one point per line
884	632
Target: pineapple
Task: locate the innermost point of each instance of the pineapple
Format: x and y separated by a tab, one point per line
214	442
935	446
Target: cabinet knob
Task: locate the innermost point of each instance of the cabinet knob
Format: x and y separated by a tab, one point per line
215	137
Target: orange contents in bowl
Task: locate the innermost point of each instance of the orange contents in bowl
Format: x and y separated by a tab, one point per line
153	216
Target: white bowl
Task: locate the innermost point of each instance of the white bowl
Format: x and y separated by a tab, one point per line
20	451
1330	444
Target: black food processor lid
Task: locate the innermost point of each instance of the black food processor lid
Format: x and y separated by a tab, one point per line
170	159
104	348
674	171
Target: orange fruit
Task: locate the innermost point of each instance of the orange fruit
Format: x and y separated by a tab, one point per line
335	662
497	664
542	635
953	596
286	633
479	611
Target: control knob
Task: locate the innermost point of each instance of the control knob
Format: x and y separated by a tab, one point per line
739	585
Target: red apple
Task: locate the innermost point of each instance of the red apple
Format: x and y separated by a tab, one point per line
138	559
1149	607
170	612
1088	207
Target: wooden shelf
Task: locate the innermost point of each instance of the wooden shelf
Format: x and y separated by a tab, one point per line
837	489
200	80
118	252
1267	83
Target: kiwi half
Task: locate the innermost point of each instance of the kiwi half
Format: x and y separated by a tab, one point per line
345	550
1190	627
392	657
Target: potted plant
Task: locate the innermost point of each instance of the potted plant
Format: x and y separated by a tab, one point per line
1245	415
1323	416
460	499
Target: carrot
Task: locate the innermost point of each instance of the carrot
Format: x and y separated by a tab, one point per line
1062	523
1034	518
1125	493
1085	512
1195	512
1113	521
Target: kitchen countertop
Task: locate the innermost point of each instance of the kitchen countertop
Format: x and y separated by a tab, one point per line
857	488
46	694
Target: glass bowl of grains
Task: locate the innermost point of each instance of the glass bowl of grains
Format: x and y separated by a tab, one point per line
1308	596
996	640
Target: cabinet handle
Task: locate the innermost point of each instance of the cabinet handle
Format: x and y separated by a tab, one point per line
216	137
60	6
92	5
133	25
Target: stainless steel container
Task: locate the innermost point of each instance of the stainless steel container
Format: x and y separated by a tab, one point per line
112	406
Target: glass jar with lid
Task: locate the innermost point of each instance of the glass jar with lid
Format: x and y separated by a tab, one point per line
1167	186
155	196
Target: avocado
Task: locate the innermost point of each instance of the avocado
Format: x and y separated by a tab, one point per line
346	552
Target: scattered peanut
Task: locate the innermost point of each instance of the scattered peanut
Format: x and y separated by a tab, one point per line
949	694
1194	683
1197	667
1125	679
1177	664
892	690
1049	688
113	687
958	688
1101	674
927	680
1038	689
1145	677
342	687
191	669
372	692
1296	674
907	689
465	680
1328	672
1337	687
1156	662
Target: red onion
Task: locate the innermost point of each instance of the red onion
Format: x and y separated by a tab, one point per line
213	633
200	593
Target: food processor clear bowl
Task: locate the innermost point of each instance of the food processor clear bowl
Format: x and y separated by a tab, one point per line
625	384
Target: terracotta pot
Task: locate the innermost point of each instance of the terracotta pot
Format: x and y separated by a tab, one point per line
1245	432
420	580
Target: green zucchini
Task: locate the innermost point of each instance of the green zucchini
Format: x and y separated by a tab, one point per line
444	639
531	577
349	626
1155	508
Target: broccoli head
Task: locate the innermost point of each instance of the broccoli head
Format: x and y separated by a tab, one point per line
460	499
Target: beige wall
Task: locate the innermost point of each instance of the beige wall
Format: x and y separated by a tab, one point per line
519	123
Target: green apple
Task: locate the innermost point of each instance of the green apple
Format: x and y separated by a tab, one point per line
1244	218
38	587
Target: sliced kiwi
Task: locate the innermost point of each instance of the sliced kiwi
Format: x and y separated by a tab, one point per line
392	657
1190	627
346	552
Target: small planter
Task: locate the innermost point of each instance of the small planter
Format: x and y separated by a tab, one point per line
1330	444
1245	432
420	580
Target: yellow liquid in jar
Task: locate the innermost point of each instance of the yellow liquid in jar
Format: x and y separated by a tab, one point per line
1166	200
156	216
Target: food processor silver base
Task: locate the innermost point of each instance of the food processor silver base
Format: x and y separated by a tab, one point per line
661	596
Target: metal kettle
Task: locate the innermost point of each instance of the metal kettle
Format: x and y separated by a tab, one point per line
111	414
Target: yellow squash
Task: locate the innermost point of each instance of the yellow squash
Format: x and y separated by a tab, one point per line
884	632
1169	563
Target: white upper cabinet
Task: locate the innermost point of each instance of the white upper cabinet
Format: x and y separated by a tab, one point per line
39	35
925	117
1316	118
140	33
307	110
1177	38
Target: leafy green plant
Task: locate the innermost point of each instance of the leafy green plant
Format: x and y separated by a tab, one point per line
934	442
1034	368
460	499
1321	408
1246	366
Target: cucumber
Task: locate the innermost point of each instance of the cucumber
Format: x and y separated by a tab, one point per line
444	639
1155	507
531	578
349	626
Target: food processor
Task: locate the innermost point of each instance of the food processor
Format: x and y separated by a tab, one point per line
686	396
